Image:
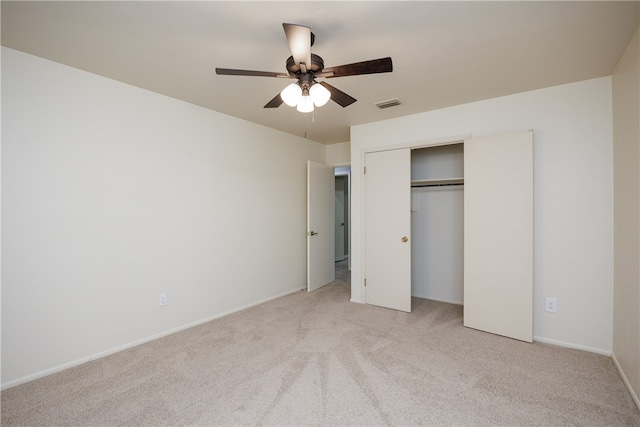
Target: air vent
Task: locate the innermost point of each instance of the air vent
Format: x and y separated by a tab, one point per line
388	103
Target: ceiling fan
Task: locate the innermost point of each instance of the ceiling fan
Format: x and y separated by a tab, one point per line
305	67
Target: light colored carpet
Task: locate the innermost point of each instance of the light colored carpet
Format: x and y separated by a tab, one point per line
317	359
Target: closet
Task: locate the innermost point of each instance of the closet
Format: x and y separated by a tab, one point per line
437	223
412	215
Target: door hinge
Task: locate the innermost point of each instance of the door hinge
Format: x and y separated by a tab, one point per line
365	282
365	170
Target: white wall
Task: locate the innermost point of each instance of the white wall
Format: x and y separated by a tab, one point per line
338	154
626	143
573	197
113	195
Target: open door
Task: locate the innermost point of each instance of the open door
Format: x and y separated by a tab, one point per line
388	229
320	230
498	234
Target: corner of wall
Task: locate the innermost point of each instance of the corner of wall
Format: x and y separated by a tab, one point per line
338	154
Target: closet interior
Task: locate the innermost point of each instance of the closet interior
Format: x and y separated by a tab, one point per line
437	223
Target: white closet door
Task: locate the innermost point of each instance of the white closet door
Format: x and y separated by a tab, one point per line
387	229
498	234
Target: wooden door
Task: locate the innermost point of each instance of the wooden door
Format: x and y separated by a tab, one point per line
387	229
498	234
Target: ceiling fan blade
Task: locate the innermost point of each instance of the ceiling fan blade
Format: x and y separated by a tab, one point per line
233	72
275	102
323	74
382	65
338	96
299	38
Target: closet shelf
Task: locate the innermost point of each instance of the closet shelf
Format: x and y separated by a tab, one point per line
437	182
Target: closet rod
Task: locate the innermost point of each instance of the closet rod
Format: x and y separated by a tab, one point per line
436	185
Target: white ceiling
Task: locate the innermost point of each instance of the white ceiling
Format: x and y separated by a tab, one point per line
444	53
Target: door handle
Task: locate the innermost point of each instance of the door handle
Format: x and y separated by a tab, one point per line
311	233
405	239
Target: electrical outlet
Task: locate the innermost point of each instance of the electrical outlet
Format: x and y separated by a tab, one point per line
550	305
163	300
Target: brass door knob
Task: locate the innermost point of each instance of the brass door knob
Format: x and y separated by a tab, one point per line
405	239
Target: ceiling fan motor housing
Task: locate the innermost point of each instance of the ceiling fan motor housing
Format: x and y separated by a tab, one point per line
317	64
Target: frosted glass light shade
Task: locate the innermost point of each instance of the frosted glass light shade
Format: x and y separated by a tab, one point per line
305	105
319	94
291	94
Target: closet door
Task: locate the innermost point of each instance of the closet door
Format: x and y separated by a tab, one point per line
387	229
498	234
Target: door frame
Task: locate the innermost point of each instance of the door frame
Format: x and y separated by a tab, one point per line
345	170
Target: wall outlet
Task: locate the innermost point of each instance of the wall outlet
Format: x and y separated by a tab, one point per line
550	305
163	300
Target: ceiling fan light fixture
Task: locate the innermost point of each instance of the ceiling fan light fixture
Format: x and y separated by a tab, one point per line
306	93
305	105
319	94
291	94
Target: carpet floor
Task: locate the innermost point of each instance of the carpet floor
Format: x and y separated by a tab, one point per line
317	359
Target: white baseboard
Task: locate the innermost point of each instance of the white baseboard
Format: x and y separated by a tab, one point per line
574	346
117	349
632	392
